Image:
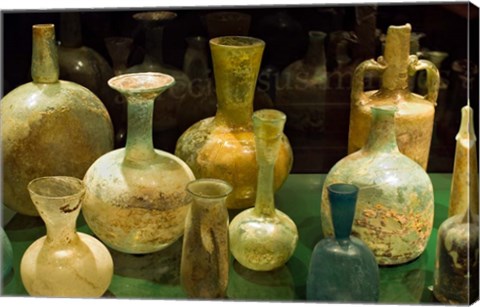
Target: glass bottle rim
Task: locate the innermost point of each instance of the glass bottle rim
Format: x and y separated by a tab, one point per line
237	41
225	186
143	82
343	188
77	185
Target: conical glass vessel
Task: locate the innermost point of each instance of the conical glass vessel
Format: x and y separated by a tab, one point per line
49	126
223	146
205	257
6	254
343	268
394	212
414	119
264	238
456	264
64	263
302	86
135	198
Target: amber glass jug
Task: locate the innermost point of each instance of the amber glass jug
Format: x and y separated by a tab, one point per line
414	119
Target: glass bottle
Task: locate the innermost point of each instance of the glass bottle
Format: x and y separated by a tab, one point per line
64	263
394	212
85	66
166	106
223	146
135	198
342	268
49	126
302	86
414	119
6	254
205	257
200	102
456	263
264	238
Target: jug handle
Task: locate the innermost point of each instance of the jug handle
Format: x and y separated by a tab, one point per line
433	76
358	82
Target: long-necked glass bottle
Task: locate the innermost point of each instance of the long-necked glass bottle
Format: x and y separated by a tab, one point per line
394	213
135	198
264	238
49	127
456	265
223	146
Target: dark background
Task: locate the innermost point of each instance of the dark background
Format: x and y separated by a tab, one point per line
445	27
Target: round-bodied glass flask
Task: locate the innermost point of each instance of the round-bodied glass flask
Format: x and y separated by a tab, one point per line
135	198
64	263
394	212
342	268
223	146
264	238
49	126
205	257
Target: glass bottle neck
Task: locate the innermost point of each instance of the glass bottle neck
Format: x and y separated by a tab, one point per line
396	56
44	54
382	136
139	147
316	51
62	231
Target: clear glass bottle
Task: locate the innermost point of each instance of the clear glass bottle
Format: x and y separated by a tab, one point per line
223	146
342	268
205	256
49	126
264	238
135	200
414	119
456	263
394	212
64	263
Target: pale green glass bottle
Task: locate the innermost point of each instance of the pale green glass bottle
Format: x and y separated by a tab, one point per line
264	238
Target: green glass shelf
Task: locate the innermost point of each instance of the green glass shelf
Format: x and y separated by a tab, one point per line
157	275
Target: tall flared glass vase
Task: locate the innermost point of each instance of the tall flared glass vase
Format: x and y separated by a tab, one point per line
394	212
223	146
64	263
342	268
264	238
302	87
456	263
49	127
205	256
135	198
414	119
166	106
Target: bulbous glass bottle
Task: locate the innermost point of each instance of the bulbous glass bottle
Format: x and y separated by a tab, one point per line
302	86
49	126
135	199
205	257
64	263
6	254
342	268
223	146
414	119
394	212
456	263
264	238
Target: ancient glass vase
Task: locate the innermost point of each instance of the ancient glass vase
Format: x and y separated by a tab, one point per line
394	212
342	268
205	257
166	105
302	86
414	119
49	126
456	263
85	66
64	262
264	238
200	101
223	146
6	254
135	199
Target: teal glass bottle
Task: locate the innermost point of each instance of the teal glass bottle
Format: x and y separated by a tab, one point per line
342	268
6	254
